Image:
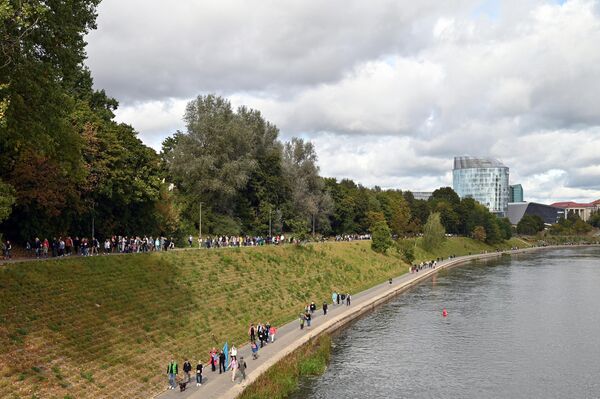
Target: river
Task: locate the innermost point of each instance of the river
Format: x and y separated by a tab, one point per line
522	326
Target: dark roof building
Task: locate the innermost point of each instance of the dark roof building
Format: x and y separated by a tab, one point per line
549	214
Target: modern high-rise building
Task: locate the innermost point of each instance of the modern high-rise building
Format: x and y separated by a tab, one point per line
484	180
516	193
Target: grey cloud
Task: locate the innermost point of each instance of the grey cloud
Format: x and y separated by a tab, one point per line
389	92
155	49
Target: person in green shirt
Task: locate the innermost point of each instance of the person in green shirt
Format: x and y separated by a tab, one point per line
172	373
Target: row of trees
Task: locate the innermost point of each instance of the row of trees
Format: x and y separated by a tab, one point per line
64	161
66	165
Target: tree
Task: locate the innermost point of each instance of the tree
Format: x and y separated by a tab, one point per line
406	250
381	237
530	225
479	233
433	232
505	228
7	199
309	197
595	219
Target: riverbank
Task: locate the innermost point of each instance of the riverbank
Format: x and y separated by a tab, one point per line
70	326
362	303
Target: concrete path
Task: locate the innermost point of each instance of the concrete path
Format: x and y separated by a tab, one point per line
289	337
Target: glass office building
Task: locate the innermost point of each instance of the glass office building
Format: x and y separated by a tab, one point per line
484	180
516	193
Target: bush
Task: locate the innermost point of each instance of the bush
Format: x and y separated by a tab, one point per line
434	233
406	250
530	225
381	237
479	233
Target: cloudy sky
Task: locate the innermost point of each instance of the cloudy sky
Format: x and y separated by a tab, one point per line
389	91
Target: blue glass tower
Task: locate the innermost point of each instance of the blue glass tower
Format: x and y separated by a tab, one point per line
484	180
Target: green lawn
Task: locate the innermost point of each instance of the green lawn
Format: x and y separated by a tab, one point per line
107	326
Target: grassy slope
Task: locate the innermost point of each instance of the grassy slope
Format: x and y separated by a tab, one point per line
107	326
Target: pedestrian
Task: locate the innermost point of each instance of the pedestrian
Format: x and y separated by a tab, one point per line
190	240
222	366
254	348
199	368
213	359
233	351
313	307
334	297
337	298
267	331
348	299
172	373
252	332
272	332
187	368
233	366
307	316
301	317
242	366
324	308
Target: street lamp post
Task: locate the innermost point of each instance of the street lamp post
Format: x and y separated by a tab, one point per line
270	222
200	227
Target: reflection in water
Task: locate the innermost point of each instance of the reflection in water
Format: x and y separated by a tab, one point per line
520	327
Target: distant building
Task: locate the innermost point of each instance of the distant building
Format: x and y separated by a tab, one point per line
484	180
549	214
583	210
516	193
422	195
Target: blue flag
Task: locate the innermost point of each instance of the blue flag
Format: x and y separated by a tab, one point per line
226	352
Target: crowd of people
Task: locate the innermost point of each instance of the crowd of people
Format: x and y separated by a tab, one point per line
237	241
423	265
353	237
227	359
67	246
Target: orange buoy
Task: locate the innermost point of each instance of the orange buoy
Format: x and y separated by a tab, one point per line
444	312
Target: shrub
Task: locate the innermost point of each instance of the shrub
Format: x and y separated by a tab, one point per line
381	237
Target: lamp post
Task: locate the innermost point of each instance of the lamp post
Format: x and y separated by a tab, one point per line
200	227
270	222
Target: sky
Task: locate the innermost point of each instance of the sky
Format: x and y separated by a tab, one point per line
388	91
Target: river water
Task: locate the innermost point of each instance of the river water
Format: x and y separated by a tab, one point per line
523	326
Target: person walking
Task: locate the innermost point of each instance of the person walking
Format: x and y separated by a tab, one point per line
308	317
312	307
233	366
337	298
252	332
222	366
348	299
301	317
272	332
324	308
334	297
187	368
172	373
242	366
213	359
199	368
233	351
254	348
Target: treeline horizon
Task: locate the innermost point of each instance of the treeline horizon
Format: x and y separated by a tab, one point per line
65	162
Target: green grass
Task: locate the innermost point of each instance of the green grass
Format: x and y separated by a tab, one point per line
282	379
88	319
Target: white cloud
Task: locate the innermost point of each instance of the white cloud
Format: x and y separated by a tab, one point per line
388	92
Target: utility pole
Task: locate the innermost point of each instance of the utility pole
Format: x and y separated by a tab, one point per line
200	227
270	222
93	204
313	223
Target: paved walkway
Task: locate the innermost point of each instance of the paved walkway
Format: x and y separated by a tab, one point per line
289	337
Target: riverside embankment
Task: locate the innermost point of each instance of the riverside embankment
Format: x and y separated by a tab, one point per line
290	337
